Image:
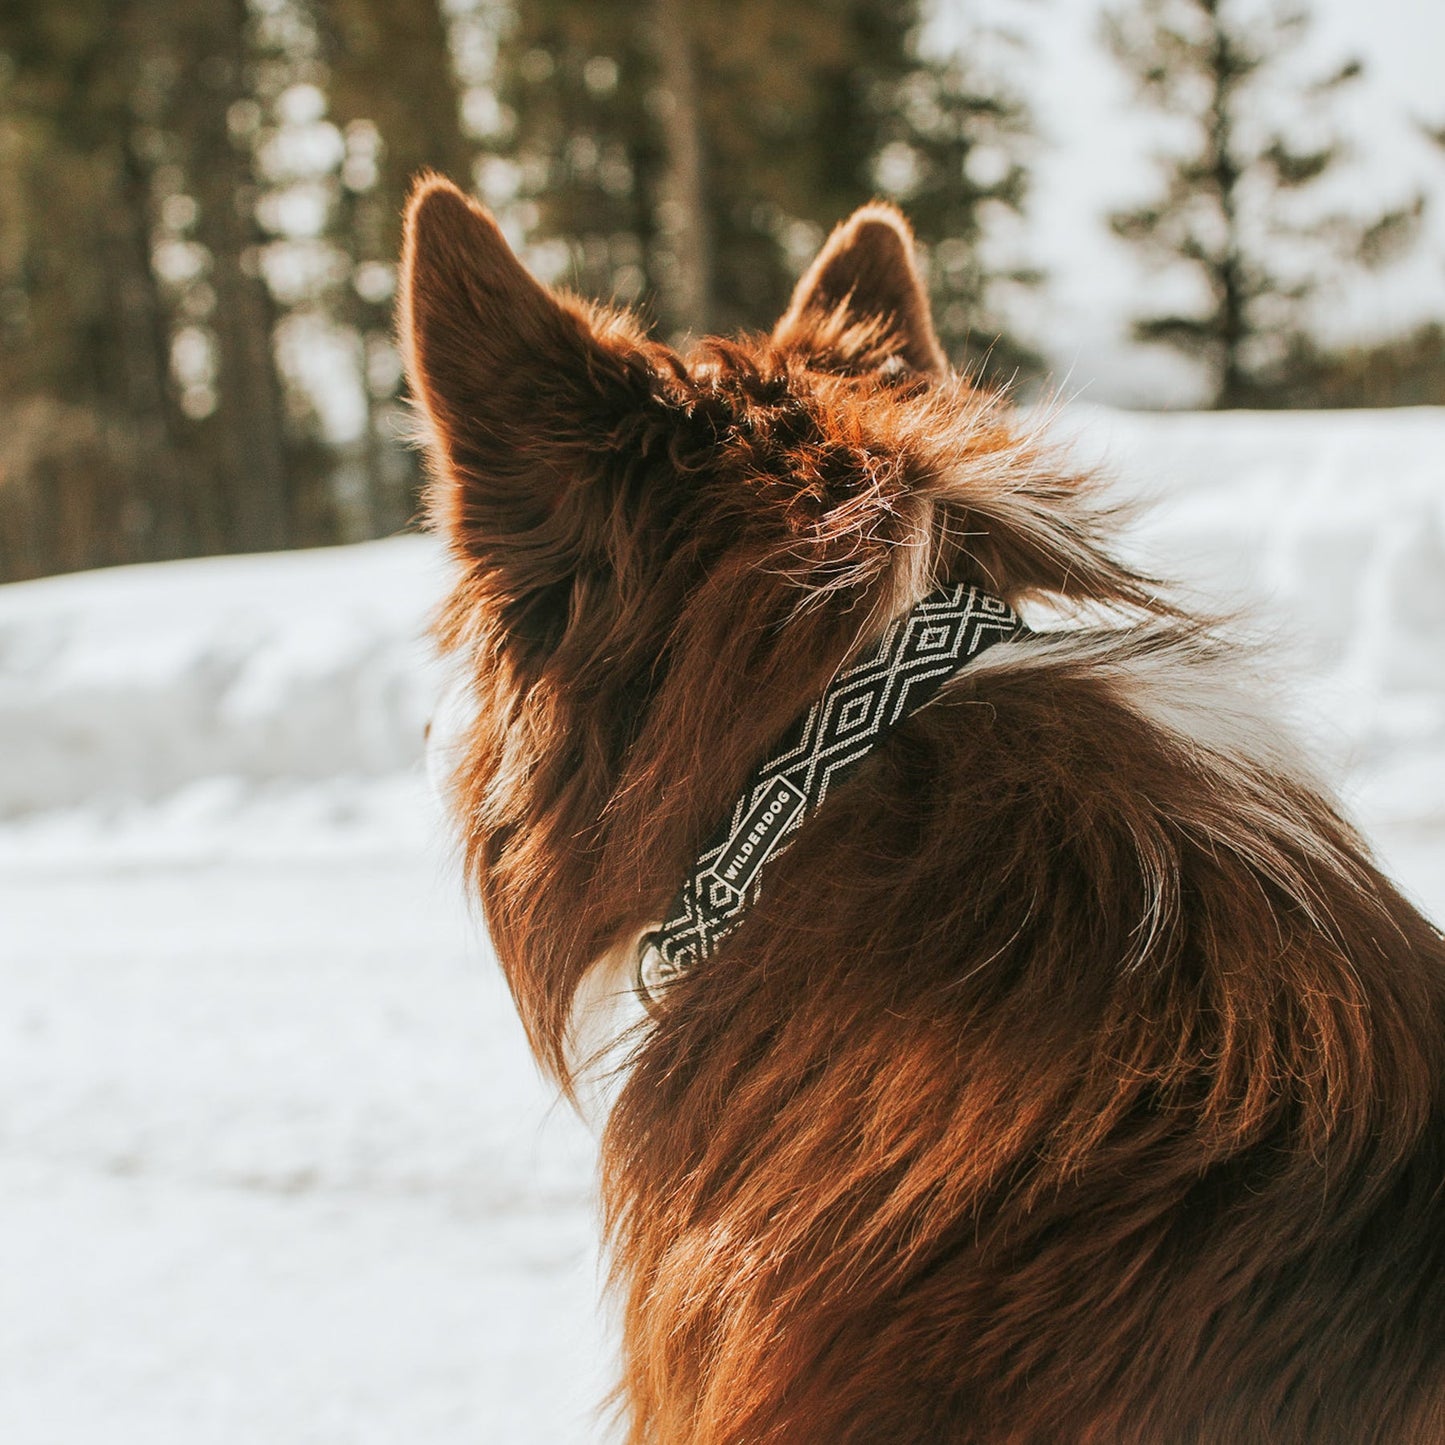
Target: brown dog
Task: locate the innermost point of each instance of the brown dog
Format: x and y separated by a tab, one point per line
1075	1076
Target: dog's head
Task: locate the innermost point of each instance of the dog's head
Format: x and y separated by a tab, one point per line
662	559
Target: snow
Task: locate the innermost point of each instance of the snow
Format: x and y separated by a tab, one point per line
1327	533
129	684
276	1166
274	1162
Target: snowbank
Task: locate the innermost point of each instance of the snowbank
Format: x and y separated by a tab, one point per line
129	684
1327	532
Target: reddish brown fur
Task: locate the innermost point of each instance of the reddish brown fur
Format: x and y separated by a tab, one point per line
1079	1077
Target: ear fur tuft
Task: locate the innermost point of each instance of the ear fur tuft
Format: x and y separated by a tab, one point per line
862	300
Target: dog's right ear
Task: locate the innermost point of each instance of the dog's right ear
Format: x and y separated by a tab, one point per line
862	303
523	390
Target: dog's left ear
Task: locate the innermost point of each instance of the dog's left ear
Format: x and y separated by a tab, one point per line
525	391
862	303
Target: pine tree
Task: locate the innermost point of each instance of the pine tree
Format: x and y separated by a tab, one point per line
958	138
1234	210
574	157
149	180
198	63
697	153
391	89
93	469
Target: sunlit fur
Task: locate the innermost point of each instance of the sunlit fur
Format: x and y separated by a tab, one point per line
1078	1077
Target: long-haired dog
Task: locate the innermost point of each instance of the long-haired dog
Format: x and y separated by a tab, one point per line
1073	1074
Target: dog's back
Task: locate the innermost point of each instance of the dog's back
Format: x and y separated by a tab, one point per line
1076	1076
1066	1086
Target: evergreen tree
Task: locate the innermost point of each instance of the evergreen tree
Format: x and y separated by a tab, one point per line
698	152
1234	210
197	70
178	215
575	155
93	468
958	140
391	89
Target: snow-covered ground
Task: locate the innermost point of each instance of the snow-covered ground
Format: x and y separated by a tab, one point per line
274	1164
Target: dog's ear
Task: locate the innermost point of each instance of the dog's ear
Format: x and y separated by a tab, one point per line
862	303
523	389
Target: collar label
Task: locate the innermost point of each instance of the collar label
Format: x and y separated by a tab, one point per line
759	833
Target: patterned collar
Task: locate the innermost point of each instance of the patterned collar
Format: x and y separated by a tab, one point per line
918	653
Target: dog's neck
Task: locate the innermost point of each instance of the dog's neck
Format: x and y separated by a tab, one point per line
917	654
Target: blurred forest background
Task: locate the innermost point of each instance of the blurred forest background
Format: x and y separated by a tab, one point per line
200	199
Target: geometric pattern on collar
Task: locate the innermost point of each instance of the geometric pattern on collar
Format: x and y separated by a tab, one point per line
918	653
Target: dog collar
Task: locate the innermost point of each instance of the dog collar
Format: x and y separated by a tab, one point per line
918	653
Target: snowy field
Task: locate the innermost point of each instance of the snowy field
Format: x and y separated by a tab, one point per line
274	1165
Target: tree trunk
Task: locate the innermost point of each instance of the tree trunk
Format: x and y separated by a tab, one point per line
160	517
243	441
685	272
391	69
